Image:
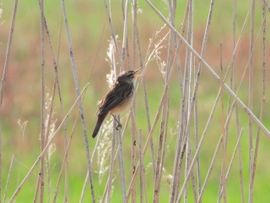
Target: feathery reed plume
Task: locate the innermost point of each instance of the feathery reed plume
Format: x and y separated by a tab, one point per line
104	149
50	124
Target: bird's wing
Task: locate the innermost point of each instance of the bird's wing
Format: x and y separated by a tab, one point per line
115	97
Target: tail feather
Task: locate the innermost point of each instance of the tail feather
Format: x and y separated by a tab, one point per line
101	117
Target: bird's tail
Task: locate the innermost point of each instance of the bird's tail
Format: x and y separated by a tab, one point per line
101	117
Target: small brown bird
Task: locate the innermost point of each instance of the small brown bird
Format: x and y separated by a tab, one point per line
118	98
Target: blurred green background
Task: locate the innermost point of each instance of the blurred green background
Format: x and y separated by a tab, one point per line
20	111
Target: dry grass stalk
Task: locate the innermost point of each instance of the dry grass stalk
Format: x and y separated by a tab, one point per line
209	119
133	120
172	47
118	132
149	136
196	82
263	98
109	14
196	175
57	83
224	131
255	119
4	75
124	52
81	110
8	177
41	176
131	185
144	150
143	188
189	83
156	118
30	171
133	148
107	132
233	84
230	164
118	137
199	145
9	43
250	98
64	164
114	158
233	104
178	156
218	145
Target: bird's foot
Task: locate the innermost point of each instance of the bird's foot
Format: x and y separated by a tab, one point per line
119	126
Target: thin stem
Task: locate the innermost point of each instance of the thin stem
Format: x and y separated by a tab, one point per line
9	43
254	118
143	188
41	176
263	97
220	141
114	158
30	171
208	122
63	166
8	176
233	84
230	164
109	14
250	99
225	135
117	133
181	121
81	110
125	35
133	121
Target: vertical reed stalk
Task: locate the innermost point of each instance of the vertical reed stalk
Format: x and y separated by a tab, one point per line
118	133
81	109
64	165
8	177
231	162
7	55
143	188
250	98
3	78
189	64
233	84
133	121
224	132
254	118
263	96
31	169
41	182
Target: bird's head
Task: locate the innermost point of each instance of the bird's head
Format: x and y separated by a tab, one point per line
129	76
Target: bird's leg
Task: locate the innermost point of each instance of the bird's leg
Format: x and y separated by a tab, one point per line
119	125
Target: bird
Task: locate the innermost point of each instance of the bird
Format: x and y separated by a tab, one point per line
118	98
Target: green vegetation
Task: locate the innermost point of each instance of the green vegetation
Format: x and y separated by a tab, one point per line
90	35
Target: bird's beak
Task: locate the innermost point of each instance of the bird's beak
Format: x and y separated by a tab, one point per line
138	72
